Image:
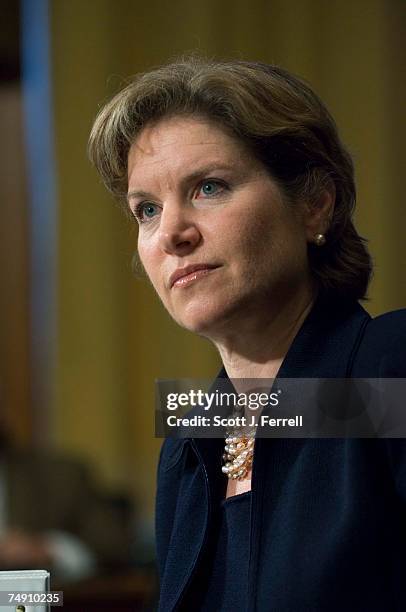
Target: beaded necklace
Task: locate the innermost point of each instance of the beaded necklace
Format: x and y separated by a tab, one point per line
238	453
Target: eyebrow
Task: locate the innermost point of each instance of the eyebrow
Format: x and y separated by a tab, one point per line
189	178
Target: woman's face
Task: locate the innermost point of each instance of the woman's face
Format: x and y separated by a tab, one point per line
216	239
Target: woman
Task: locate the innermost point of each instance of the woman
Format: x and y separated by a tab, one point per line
244	196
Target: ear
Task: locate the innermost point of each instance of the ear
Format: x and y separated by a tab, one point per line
318	214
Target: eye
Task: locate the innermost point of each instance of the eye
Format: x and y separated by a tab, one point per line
210	188
144	211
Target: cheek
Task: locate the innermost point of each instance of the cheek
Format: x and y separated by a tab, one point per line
142	256
148	262
258	233
273	239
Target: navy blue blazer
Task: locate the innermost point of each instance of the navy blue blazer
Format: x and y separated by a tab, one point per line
328	520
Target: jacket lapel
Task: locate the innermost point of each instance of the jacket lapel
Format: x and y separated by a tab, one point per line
194	514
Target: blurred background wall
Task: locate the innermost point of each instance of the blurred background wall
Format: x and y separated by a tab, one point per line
82	340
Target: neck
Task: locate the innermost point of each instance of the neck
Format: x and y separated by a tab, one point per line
259	346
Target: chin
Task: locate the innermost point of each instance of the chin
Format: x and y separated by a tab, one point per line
204	320
197	325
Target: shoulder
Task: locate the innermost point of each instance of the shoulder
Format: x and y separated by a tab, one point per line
387	331
389	321
382	348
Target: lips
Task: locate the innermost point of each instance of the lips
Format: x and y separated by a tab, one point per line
183	276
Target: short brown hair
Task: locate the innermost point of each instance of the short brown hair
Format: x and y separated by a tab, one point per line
281	120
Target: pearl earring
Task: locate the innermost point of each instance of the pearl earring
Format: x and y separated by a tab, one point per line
319	240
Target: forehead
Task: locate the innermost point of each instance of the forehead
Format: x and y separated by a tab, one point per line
178	143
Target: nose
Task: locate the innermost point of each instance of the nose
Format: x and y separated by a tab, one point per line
178	231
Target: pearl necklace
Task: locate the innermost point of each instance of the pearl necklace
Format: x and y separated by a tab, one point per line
238	454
